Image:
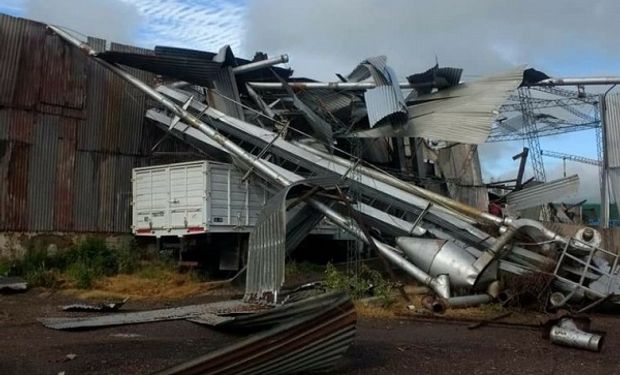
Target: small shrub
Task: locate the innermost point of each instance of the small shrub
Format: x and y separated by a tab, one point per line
127	258
41	277
94	254
156	270
83	276
366	283
5	267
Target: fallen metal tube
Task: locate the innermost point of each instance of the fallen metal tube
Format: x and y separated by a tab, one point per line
577	81
469	301
328	85
260	64
568	81
567	333
438	285
440	305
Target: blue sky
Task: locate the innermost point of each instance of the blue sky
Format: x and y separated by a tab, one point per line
322	37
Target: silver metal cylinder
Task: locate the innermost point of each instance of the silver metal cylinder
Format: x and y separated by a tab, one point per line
566	333
260	64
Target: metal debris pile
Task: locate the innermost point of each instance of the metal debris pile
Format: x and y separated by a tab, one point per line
339	146
310	334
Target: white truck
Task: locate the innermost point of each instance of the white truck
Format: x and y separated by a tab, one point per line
198	206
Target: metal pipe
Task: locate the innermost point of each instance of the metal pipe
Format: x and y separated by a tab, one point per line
569	81
327	85
468	301
567	333
260	64
440	305
388	251
578	81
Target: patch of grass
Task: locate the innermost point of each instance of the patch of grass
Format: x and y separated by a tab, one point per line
296	269
156	270
168	285
5	267
367	283
83	263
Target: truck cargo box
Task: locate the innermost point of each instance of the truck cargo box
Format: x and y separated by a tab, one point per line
192	198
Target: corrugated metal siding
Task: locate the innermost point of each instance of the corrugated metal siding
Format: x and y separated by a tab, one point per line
16	199
64	188
42	174
86	198
226	87
70	133
544	193
612	128
90	132
30	67
612	139
132	106
11	36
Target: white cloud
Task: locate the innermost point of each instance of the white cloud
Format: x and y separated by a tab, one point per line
111	19
204	25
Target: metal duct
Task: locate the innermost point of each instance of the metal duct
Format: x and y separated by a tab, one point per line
437	257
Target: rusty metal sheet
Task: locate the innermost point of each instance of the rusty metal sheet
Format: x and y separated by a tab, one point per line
52	88
16	198
86	193
21	125
63	76
107	192
42	173
91	131
311	341
11	35
173	313
122	204
64	189
132	106
6	148
30	67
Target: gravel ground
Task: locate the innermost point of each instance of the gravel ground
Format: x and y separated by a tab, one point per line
381	347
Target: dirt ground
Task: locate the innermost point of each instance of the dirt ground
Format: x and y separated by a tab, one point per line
382	346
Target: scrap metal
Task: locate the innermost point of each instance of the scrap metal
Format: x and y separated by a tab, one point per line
13	284
567	333
544	193
174	313
306	341
106	306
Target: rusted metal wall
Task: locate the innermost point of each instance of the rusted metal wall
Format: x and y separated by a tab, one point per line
70	132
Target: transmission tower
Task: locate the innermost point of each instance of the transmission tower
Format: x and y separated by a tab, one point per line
529	127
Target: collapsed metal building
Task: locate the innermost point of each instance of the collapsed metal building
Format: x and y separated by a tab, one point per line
355	152
305	149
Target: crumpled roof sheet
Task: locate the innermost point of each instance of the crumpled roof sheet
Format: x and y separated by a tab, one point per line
312	341
544	193
462	114
193	70
386	99
440	77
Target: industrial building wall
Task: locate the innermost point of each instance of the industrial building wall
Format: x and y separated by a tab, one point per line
70	133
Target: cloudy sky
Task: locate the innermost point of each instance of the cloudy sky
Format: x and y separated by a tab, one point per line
323	37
